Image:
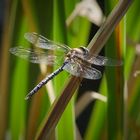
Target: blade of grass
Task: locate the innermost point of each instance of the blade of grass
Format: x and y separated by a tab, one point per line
133	35
95	129
115	82
19	88
9	38
4	62
60	34
132	65
40	18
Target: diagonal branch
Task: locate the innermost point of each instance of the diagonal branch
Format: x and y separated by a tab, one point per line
108	26
95	46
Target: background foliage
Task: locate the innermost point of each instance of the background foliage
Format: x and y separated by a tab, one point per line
116	118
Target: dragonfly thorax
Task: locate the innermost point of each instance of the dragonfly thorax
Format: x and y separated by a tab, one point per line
77	55
80	52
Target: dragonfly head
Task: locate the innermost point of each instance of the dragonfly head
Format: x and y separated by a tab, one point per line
84	50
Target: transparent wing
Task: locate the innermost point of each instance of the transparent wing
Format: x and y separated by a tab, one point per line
42	42
81	70
35	56
104	61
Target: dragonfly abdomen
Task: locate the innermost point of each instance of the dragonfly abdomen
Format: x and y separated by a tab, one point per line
44	81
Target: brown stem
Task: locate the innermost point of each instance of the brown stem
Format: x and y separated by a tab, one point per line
95	46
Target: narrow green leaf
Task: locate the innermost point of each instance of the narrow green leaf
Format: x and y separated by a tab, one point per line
96	127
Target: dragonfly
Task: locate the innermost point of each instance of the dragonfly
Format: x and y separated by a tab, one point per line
77	61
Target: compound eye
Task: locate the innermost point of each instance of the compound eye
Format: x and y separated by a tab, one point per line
85	50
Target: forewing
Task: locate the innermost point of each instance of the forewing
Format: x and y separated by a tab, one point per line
42	42
35	56
81	70
104	61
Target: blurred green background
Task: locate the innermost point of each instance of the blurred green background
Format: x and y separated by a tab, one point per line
61	21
